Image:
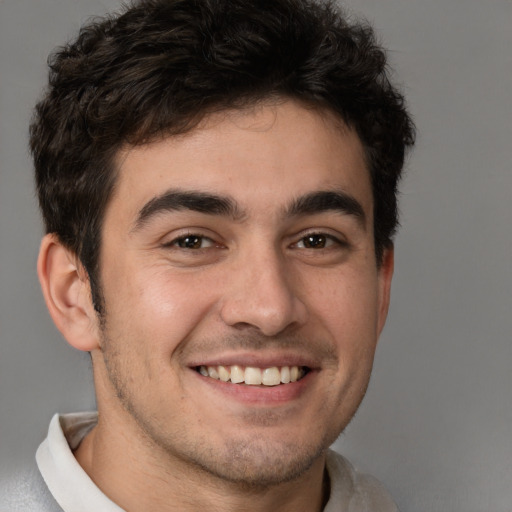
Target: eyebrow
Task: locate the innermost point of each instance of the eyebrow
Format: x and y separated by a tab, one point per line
324	201
212	204
176	200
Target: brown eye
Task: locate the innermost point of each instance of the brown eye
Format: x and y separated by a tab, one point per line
190	242
193	242
315	241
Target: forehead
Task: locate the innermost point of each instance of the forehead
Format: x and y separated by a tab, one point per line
263	156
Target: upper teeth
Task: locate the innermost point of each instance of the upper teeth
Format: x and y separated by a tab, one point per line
252	375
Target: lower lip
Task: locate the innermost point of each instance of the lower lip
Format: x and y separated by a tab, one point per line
264	395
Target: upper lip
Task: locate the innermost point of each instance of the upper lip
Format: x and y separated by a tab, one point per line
256	360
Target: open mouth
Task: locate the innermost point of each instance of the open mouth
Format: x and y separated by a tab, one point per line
253	376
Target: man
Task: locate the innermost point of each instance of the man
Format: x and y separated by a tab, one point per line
218	183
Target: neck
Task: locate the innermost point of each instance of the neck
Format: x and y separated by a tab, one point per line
136	476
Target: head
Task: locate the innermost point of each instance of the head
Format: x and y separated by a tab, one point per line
163	66
224	175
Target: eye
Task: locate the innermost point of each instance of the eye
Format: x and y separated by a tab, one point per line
191	241
317	241
191	248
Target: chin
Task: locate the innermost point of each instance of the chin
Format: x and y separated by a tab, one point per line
258	462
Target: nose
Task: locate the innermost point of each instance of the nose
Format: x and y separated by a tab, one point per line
262	293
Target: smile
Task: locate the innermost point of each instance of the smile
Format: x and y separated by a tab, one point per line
254	376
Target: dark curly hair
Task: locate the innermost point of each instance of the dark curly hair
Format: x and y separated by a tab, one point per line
163	65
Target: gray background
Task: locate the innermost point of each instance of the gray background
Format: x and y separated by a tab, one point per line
436	426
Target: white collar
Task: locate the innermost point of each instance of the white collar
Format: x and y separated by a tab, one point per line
69	484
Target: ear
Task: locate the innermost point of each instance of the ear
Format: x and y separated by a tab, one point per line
385	275
67	293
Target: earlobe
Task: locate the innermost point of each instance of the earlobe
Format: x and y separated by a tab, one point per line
385	276
66	290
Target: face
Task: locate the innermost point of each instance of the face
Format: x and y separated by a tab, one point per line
242	296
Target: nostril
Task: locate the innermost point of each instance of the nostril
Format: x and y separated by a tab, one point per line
266	302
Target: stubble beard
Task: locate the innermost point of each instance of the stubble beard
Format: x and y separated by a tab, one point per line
251	463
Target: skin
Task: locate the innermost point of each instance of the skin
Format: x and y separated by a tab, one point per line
251	288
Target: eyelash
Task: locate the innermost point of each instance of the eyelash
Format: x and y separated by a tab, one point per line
328	240
195	236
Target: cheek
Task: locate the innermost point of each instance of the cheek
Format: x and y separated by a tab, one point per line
155	306
345	308
347	303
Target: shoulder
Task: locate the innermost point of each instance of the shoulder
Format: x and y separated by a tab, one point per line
25	491
354	491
